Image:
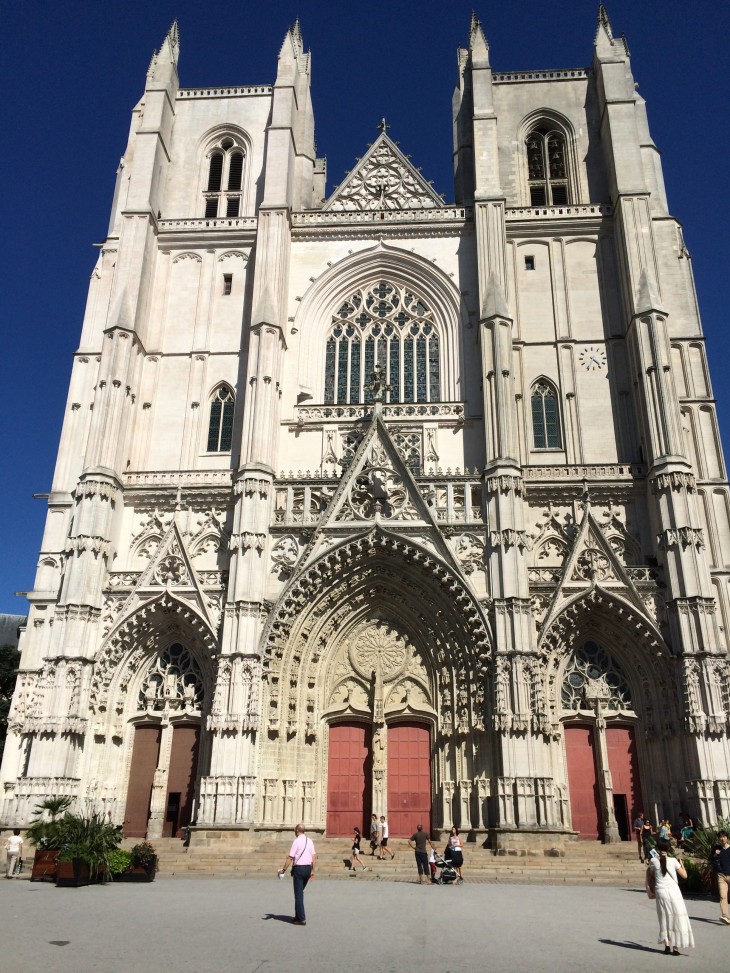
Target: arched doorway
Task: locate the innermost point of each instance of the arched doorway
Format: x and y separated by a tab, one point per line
166	745
600	744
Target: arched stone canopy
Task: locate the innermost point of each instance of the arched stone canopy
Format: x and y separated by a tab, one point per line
629	638
124	656
377	577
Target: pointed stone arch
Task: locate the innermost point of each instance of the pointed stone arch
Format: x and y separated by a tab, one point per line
613	622
403	267
126	653
377	574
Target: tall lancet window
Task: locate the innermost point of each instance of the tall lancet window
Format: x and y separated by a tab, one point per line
389	326
224	181
545	419
220	426
547	170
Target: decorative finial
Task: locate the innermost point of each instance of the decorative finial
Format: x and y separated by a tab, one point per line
383	127
378	385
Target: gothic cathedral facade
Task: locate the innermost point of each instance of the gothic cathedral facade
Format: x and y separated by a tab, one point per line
370	503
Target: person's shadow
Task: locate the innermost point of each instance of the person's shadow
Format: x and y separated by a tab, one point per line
628	945
279	918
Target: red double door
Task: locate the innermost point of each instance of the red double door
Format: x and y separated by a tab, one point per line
583	780
350	771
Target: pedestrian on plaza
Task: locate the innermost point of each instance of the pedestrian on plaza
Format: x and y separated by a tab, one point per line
720	859
647	838
303	860
14	851
418	842
663	885
454	852
356	852
384	849
638	826
374	835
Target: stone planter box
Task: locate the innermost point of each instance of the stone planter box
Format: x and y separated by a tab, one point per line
45	864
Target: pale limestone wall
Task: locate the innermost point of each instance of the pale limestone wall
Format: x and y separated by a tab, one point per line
275	568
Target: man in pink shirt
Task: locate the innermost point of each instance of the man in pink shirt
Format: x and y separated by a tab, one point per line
303	860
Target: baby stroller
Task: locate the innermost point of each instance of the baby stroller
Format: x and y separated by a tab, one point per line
446	872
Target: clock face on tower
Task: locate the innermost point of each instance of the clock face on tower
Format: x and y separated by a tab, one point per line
592	358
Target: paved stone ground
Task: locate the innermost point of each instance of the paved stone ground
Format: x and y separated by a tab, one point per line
223	925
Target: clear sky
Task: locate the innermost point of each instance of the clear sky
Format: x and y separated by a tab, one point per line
71	72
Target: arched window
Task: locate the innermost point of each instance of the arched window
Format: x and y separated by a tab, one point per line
220	427
225	179
545	422
590	674
547	170
389	326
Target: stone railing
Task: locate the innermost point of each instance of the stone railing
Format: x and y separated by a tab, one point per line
617	471
514	214
245	90
436	214
197	224
183	478
432	411
566	74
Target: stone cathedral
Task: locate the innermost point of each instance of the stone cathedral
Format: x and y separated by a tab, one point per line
367	501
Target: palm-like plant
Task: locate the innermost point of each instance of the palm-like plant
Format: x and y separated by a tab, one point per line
42	832
700	844
89	837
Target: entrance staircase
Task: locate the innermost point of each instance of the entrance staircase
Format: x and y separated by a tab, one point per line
582	863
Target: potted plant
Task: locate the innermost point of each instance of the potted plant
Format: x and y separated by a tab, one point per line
44	834
86	840
142	864
118	860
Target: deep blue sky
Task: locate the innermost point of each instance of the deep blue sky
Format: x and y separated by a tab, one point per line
71	72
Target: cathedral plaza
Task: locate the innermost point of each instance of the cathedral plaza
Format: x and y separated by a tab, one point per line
370	502
383	927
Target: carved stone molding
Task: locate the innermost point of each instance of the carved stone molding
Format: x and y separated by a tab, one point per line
509	538
505	484
684	536
674	481
247	541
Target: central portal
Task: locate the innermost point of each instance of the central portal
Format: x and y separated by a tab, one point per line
349	783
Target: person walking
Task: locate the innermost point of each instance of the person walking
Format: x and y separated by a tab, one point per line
374	835
647	838
454	852
638	827
720	859
662	884
303	860
14	851
418	842
356	852
384	832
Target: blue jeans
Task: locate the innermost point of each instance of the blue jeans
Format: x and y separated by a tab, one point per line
300	874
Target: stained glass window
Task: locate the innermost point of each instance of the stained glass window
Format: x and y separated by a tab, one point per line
220	427
545	424
388	326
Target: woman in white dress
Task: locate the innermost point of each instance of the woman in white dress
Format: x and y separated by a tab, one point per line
661	878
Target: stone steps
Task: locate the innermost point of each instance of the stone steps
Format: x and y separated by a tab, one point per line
578	864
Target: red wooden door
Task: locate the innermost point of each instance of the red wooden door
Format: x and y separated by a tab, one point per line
409	778
583	782
145	754
624	767
181	778
349	778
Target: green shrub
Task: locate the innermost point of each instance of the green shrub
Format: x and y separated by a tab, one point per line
695	883
118	861
143	855
90	837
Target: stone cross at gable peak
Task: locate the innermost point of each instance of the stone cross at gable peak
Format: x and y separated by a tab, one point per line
384	179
